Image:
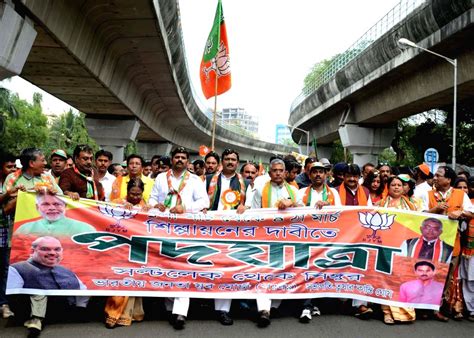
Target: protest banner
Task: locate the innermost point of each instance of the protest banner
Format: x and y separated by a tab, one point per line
363	253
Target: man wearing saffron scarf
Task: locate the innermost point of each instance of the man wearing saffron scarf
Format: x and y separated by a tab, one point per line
179	191
276	193
226	191
81	180
317	195
429	246
352	193
443	199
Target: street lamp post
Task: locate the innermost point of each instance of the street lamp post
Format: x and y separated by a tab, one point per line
307	136
454	63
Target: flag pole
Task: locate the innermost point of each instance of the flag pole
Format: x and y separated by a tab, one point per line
214	115
217	80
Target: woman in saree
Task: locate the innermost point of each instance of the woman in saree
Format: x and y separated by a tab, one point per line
396	199
123	310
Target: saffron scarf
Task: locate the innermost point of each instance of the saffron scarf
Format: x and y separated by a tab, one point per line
405	203
454	198
328	195
361	196
436	249
267	194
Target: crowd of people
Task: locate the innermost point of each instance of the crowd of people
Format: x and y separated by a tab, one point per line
177	184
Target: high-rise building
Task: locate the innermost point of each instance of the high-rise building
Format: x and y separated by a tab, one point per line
240	118
282	134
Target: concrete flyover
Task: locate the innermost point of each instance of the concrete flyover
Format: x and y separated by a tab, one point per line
364	100
122	63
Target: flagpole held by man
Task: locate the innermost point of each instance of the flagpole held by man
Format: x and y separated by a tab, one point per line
215	65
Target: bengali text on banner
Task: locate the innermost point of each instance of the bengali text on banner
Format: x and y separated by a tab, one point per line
374	254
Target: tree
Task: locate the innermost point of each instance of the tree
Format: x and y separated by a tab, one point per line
317	69
130	148
67	131
7	108
28	129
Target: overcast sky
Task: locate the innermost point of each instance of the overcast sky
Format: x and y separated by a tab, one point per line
273	45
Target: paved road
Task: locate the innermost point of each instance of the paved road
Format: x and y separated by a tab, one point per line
288	326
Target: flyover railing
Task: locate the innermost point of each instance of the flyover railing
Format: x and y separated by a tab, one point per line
394	16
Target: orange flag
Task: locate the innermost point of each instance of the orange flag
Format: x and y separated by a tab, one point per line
215	64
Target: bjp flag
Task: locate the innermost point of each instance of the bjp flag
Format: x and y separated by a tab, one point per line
215	64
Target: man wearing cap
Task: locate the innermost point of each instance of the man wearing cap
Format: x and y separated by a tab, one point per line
422	174
317	195
57	160
103	159
303	179
179	191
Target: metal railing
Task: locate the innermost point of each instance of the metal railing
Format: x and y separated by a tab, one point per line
394	16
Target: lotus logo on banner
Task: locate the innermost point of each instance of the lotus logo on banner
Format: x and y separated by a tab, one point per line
376	222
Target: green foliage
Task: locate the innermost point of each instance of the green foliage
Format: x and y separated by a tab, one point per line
67	131
317	69
433	129
339	154
28	129
289	142
388	156
7	108
130	148
465	144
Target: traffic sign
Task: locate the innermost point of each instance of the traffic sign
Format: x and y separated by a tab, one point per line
431	157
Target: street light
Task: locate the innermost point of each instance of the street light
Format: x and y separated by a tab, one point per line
454	63
307	136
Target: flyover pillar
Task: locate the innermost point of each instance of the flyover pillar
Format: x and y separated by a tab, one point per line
324	151
113	135
149	149
16	39
365	144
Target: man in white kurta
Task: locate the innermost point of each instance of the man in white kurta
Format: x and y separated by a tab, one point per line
276	193
226	191
179	191
317	195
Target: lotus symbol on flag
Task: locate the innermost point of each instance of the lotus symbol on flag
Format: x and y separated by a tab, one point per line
376	222
118	213
220	64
